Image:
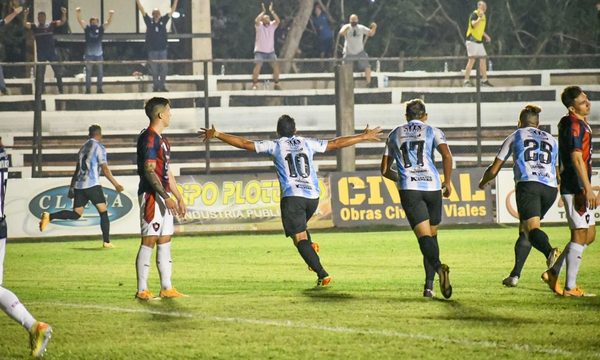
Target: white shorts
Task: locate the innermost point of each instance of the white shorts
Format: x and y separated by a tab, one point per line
475	49
578	215
155	218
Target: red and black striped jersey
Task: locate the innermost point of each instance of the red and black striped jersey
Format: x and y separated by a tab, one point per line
574	134
152	147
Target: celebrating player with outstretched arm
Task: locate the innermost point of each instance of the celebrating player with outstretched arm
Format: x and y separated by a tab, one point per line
411	146
535	157
293	159
157	208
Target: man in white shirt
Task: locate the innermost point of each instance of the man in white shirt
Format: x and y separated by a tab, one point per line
354	48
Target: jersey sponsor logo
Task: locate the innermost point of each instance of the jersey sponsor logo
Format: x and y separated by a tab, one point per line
56	199
421	178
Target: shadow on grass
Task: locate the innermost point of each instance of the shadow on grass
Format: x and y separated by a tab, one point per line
163	310
461	312
326	294
88	249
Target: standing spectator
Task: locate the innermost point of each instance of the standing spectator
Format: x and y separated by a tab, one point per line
354	48
320	21
411	146
44	43
9	17
93	47
475	49
264	45
156	43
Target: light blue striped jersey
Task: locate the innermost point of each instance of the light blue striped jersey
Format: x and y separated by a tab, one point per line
293	159
91	155
412	147
4	164
535	155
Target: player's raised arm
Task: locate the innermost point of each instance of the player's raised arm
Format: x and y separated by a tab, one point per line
233	140
491	172
345	141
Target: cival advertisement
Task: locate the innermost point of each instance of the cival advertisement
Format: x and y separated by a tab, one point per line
367	198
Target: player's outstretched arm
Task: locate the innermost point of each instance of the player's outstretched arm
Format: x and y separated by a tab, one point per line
237	141
345	141
490	173
447	165
106	171
386	168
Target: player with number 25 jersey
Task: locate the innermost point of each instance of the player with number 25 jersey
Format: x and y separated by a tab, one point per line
293	159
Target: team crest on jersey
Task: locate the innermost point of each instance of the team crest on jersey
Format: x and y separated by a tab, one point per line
155	226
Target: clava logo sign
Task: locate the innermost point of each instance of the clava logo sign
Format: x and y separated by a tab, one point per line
57	199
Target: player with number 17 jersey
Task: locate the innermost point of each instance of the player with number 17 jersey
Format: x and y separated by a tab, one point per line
412	147
293	159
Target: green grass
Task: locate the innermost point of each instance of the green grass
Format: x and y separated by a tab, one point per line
253	297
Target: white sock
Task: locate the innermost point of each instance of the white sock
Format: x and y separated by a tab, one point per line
11	305
164	264
142	264
573	261
2	252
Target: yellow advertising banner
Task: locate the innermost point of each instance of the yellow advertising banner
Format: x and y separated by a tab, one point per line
367	198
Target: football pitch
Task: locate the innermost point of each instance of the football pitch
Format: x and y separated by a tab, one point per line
252	297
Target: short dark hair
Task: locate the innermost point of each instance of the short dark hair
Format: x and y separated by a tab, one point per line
286	126
569	94
154	106
94	130
529	116
415	109
42	13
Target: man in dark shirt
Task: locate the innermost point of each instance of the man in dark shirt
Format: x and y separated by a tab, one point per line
44	42
3	22
156	43
93	47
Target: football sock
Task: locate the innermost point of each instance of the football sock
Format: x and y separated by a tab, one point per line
311	258
65	215
308	237
429	274
164	263
539	240
10	304
105	226
522	249
2	252
430	251
574	255
142	265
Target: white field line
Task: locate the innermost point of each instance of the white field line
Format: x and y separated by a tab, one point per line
334	329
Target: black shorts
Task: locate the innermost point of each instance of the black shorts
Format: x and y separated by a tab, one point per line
93	194
3	230
534	199
295	213
422	205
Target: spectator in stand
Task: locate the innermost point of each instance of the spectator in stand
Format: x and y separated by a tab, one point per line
43	33
354	46
475	49
6	20
320	21
264	45
93	47
156	43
